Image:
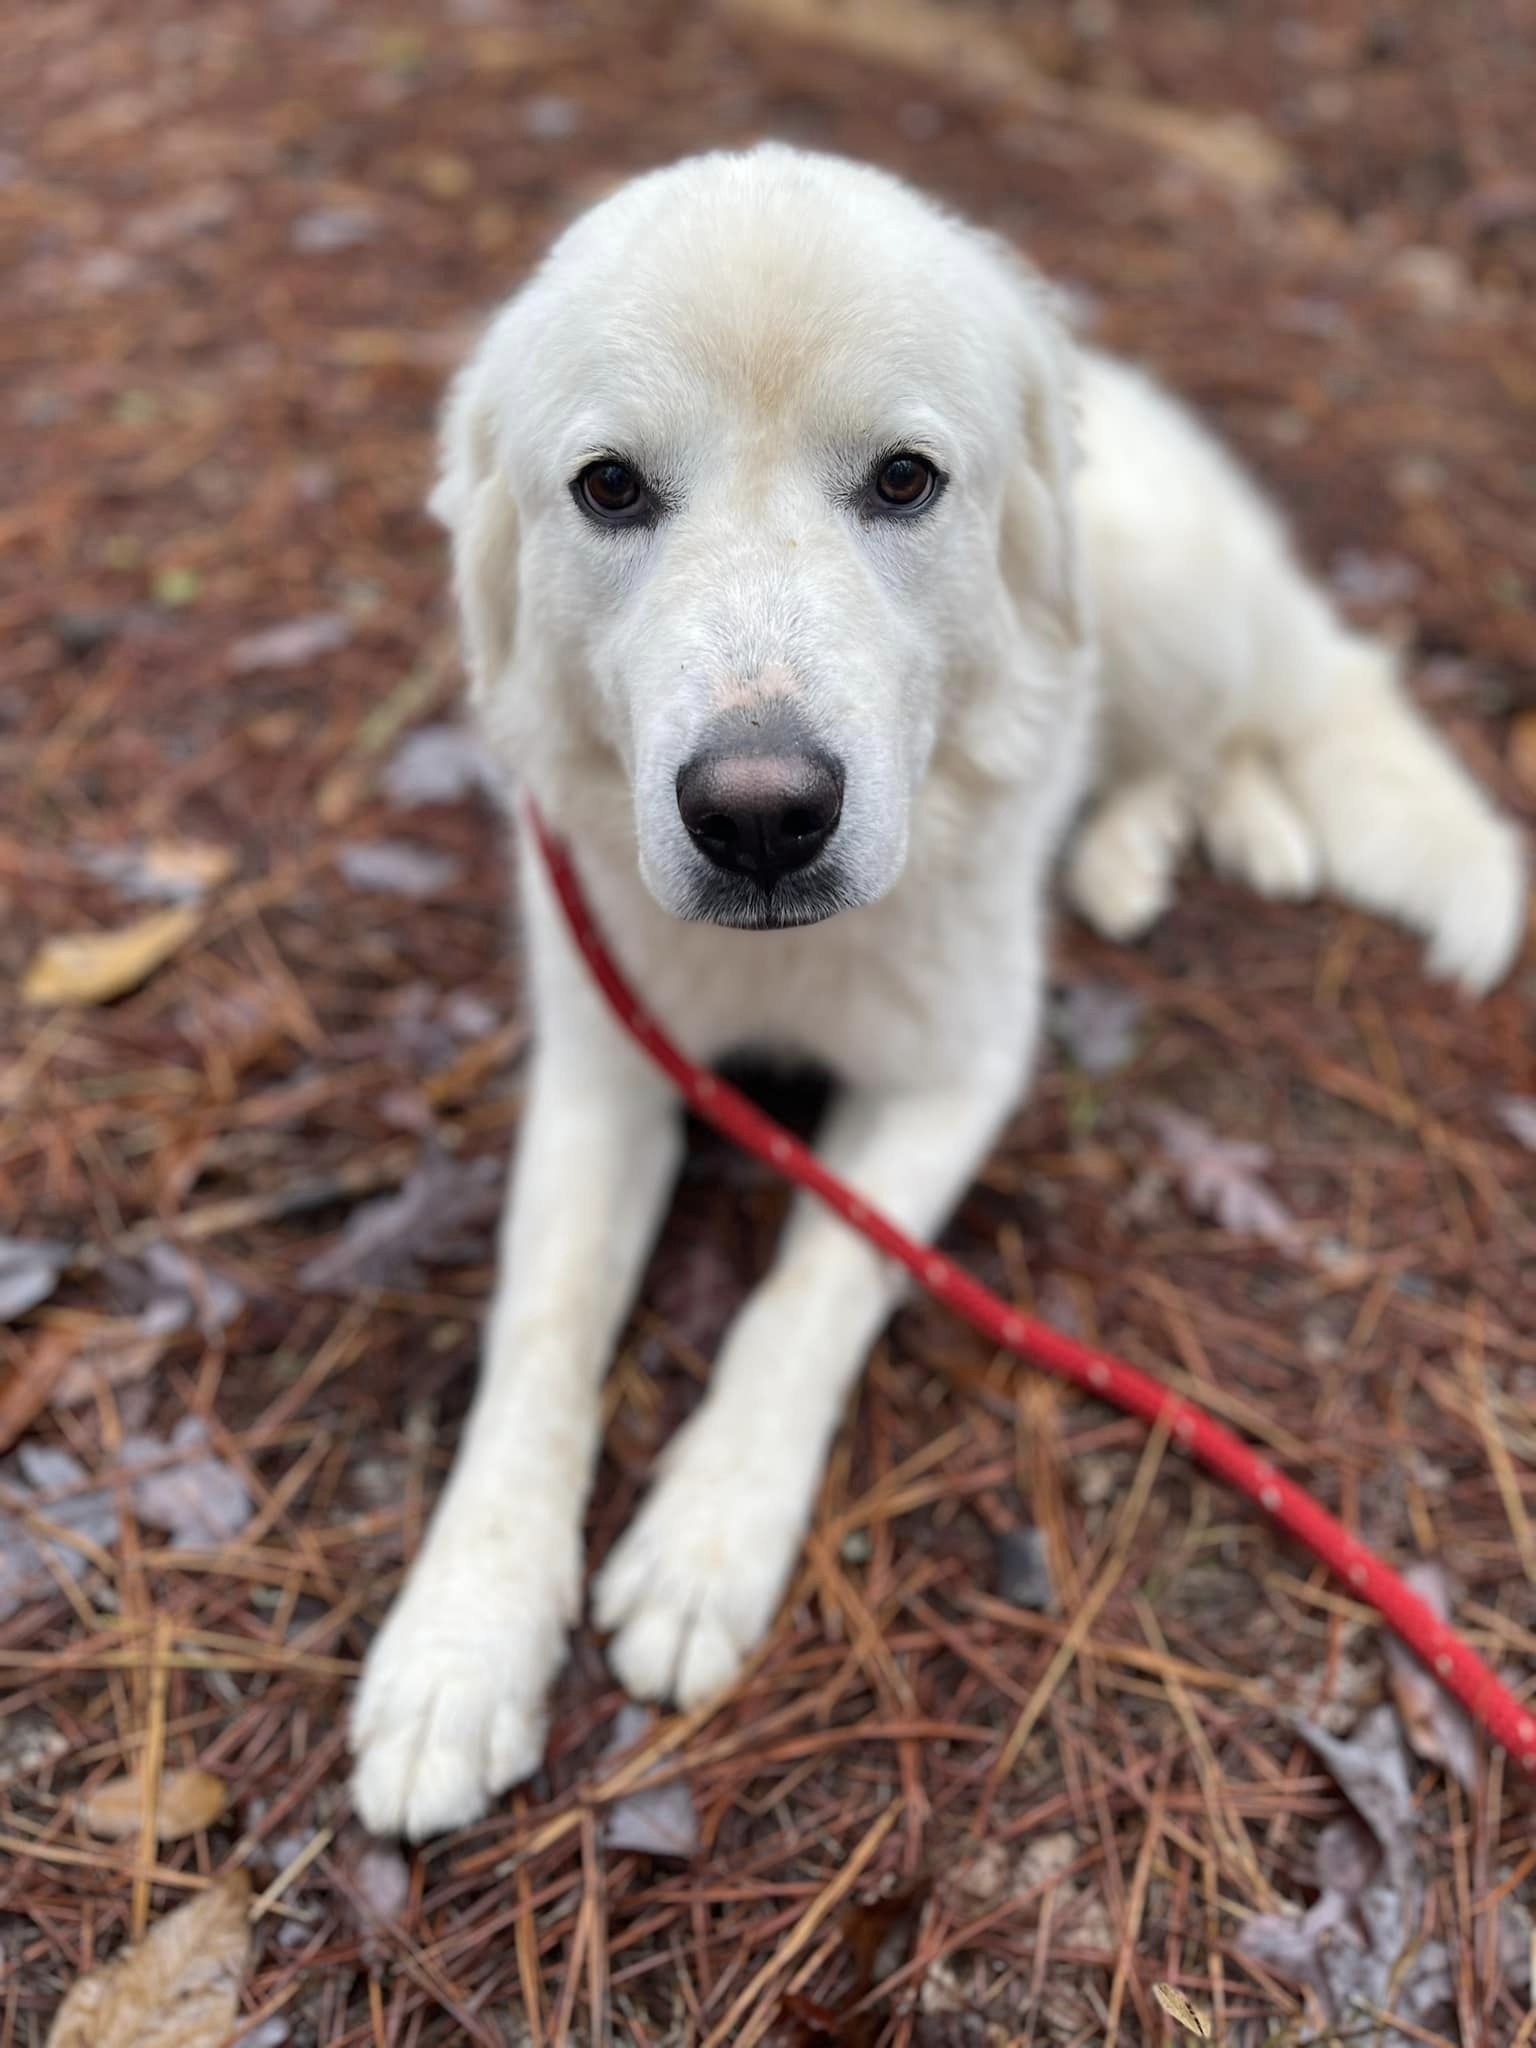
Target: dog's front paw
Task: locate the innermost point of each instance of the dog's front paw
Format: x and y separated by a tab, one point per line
693	1585
450	1711
1121	868
1475	906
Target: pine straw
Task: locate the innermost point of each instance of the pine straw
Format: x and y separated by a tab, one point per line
193	394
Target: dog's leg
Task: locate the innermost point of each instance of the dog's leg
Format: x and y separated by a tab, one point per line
695	1581
451	1707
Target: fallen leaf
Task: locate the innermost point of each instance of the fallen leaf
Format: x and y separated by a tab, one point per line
329	229
114	1354
378	1888
1436	1724
29	1272
438	1215
1220	1178
657	1820
176	586
272	2033
1356	1945
178	1988
30	1558
1096	1025
28	1743
164	871
437	765
443	175
96	967
1180	2011
187	1801
201	1501
1024	1570
382	1879
397	869
181	1292
1373	582
291	645
1517	1113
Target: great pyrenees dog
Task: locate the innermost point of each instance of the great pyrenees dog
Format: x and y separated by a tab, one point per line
816	587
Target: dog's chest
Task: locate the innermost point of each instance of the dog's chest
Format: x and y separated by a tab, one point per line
909	993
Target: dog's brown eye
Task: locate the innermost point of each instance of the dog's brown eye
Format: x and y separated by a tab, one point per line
611	490
905	482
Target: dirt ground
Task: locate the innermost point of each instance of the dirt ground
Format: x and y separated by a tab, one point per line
243	243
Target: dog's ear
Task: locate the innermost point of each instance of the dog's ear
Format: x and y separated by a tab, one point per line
473	500
1039	549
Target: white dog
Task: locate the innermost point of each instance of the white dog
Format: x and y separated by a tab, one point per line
786	593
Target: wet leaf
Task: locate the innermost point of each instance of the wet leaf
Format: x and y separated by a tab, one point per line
30	1558
96	967
1180	2011
397	869
1222	1178
329	229
28	1743
187	1801
1373	582
200	1501
178	1988
291	645
1024	1570
1517	1113
164	871
1371	1770
1435	1722
440	1214
382	1880
1350	1946
29	1272
653	1821
438	764
1096	1025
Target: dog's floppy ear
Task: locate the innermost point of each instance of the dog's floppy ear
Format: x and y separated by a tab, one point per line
1039	555
473	500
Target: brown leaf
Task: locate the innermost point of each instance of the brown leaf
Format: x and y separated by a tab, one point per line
1180	2011
178	1988
188	1801
95	967
1222	1178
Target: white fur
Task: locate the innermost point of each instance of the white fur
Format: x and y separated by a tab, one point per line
756	329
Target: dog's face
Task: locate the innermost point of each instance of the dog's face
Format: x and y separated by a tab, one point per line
737	485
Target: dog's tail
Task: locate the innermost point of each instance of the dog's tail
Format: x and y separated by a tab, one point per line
1400	826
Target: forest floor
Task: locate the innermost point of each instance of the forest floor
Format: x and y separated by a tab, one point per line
244	243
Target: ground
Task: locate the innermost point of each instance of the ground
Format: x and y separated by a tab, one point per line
244	244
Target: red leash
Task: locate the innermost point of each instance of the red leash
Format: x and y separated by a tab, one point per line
1453	1661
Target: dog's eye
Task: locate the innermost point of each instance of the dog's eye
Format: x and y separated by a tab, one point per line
904	483
611	491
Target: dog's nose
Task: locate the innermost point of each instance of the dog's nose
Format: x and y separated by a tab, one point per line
761	814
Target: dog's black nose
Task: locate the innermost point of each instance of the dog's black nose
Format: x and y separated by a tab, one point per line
761	808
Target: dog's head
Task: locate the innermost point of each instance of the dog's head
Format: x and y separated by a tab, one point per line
762	473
